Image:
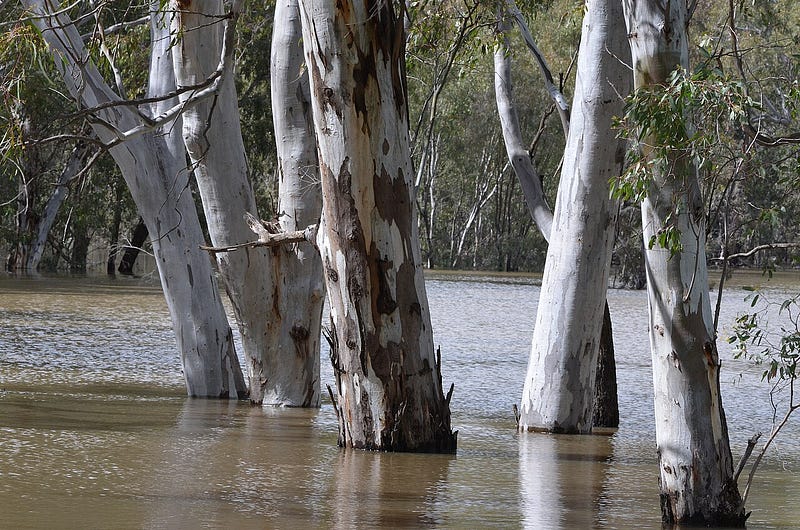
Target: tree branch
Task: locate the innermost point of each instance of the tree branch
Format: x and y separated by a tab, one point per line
751	444
552	89
270	240
117	28
759	248
772	141
524	168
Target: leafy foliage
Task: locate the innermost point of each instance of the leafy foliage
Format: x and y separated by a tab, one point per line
777	348
676	124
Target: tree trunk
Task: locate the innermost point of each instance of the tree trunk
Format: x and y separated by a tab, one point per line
80	247
25	220
298	271
138	239
387	375
695	462
151	164
212	134
606	406
75	163
116	222
558	395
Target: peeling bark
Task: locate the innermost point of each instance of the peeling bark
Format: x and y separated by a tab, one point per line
695	462
558	395
389	390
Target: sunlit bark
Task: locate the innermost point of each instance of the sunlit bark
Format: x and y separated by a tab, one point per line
212	134
606	407
558	394
695	462
389	391
152	164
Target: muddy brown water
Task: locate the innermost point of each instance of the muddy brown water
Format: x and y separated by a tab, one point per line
95	431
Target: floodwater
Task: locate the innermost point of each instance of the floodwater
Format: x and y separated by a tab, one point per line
95	431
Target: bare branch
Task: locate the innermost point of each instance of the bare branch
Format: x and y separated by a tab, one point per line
524	168
118	28
793	407
271	240
751	444
759	248
552	89
773	141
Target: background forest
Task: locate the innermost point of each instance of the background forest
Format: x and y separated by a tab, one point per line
56	187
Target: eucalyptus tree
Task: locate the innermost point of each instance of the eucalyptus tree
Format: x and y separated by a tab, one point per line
146	146
558	394
559	390
73	168
389	389
212	135
298	271
695	463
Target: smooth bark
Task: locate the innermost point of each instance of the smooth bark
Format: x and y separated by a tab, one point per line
529	178
558	395
389	390
298	270
695	463
151	164
606	406
213	139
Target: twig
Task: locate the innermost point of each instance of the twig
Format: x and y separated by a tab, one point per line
751	444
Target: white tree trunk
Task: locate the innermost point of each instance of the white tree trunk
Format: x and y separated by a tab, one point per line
298	307
75	163
558	394
213	139
388	378
528	176
695	460
151	166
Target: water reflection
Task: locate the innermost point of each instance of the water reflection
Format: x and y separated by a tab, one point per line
385	490
95	430
561	479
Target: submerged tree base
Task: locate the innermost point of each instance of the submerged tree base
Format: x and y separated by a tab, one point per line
729	511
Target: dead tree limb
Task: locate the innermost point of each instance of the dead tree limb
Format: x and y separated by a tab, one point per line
269	238
759	248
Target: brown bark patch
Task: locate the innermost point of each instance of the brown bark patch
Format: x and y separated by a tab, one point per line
392	200
364	78
382	301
